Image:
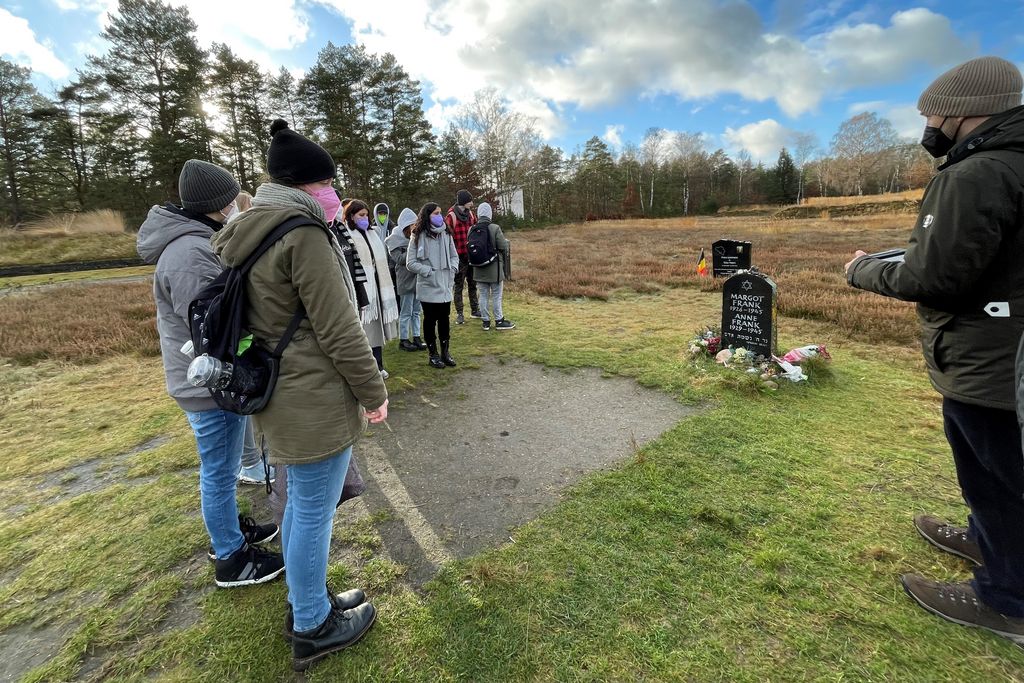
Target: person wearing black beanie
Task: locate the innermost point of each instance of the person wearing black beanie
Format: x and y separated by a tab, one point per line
296	160
329	386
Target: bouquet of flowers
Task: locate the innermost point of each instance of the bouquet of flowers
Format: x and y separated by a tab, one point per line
707	342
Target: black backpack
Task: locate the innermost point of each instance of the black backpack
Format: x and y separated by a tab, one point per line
480	246
239	371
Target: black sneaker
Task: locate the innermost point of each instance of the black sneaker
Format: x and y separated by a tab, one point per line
503	324
475	314
407	345
341	629
460	319
253	533
343	601
419	343
249	565
487	326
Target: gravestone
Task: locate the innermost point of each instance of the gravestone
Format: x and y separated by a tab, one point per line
728	257
749	313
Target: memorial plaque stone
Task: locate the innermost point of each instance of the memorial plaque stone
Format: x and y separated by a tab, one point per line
749	313
728	257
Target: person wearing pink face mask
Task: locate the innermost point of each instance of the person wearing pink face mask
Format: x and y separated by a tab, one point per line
380	316
329	386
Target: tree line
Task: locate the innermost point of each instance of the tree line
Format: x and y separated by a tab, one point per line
117	135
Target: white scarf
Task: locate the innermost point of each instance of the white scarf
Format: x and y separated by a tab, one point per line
382	300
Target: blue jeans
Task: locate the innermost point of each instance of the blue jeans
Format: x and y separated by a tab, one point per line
313	493
219	441
250	451
409	317
490	300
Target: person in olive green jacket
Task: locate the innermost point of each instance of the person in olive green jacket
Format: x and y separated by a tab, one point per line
328	384
963	268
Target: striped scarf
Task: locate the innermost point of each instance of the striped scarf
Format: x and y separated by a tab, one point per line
339	228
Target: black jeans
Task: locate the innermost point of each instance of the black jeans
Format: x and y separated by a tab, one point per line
986	445
465	273
436	314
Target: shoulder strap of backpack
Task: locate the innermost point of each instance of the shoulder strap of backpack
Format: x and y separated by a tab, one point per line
293	325
269	241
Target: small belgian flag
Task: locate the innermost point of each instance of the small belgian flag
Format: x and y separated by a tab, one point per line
702	264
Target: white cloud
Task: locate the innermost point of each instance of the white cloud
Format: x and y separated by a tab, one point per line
20	43
566	53
763	139
613	134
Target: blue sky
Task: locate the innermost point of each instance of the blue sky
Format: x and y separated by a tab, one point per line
746	74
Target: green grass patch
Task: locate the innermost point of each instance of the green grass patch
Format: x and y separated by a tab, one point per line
17	248
78	276
759	540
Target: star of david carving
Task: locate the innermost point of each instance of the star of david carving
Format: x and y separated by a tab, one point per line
748	285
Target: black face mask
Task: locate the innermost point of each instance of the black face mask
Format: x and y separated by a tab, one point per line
936	143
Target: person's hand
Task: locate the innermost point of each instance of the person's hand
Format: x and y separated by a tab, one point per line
379	415
856	255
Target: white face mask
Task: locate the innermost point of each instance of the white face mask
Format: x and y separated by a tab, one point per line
231	212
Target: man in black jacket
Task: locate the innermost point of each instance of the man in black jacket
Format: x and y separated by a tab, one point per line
963	269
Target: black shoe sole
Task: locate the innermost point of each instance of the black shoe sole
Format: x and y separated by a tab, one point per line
249	582
1016	638
306	662
946	548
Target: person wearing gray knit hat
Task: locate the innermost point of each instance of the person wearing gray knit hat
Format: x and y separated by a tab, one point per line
176	239
205	187
962	268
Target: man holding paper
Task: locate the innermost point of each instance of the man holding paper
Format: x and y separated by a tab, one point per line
963	269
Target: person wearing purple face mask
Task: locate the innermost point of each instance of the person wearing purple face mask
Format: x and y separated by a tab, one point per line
380	316
434	259
328	388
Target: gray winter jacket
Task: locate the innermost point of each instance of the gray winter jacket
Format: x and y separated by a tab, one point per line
435	262
179	244
496	270
398	245
1020	387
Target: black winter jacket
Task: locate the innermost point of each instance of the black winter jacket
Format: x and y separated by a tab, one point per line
964	266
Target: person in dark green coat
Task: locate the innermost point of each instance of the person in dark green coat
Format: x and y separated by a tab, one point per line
963	269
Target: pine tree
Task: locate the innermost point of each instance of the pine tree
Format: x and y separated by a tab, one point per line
19	140
156	71
236	85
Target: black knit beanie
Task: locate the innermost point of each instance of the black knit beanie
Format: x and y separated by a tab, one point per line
463	197
296	160
205	187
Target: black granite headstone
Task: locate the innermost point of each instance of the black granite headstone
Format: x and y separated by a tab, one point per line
749	313
729	257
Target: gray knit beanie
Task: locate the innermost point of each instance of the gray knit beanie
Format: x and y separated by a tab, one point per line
982	86
205	187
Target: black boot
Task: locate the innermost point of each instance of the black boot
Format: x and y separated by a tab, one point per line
341	629
434	360
407	345
343	601
418	341
446	357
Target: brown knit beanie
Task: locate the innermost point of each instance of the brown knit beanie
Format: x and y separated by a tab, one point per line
982	86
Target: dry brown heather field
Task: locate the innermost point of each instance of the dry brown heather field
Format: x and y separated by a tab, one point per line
595	260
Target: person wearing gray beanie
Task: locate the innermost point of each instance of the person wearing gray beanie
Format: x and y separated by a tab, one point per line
177	240
206	188
962	268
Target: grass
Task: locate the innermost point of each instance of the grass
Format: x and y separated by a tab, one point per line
22	248
908	195
88	222
26	281
760	540
804	257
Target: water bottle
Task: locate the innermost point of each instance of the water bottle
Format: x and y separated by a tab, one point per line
209	372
